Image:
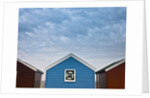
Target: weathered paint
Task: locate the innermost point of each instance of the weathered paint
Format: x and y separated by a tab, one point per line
37	79
85	77
101	80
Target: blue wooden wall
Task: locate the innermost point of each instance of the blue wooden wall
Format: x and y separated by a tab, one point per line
85	77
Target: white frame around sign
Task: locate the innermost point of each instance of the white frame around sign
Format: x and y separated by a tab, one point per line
70	80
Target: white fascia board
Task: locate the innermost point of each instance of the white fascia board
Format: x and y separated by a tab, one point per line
57	62
66	57
83	62
115	65
26	64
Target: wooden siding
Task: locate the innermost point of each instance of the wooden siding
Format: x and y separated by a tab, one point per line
85	77
101	80
116	77
25	76
37	81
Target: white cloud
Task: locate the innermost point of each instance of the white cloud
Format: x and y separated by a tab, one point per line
29	34
64	39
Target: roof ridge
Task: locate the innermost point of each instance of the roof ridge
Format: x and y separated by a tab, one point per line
111	64
66	57
29	65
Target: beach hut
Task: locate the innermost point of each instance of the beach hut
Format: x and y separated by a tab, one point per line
70	72
111	76
27	75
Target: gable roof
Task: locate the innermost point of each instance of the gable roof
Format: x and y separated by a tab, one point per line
29	66
68	56
111	66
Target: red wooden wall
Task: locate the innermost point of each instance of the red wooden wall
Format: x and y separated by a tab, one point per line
25	76
116	77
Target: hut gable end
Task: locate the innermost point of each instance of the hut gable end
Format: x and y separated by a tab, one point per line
69	56
70	72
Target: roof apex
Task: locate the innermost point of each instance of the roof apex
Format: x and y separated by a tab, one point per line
68	56
28	65
110	66
71	54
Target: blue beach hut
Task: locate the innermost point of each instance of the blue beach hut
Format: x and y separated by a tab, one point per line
70	72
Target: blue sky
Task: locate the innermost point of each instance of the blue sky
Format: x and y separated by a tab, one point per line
96	35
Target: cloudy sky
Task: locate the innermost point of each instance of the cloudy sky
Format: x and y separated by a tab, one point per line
96	35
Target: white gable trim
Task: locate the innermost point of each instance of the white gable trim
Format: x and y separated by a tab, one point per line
66	57
28	65
115	65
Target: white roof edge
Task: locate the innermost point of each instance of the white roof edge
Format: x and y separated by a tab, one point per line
66	57
28	65
115	65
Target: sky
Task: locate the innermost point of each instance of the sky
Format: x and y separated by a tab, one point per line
96	35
